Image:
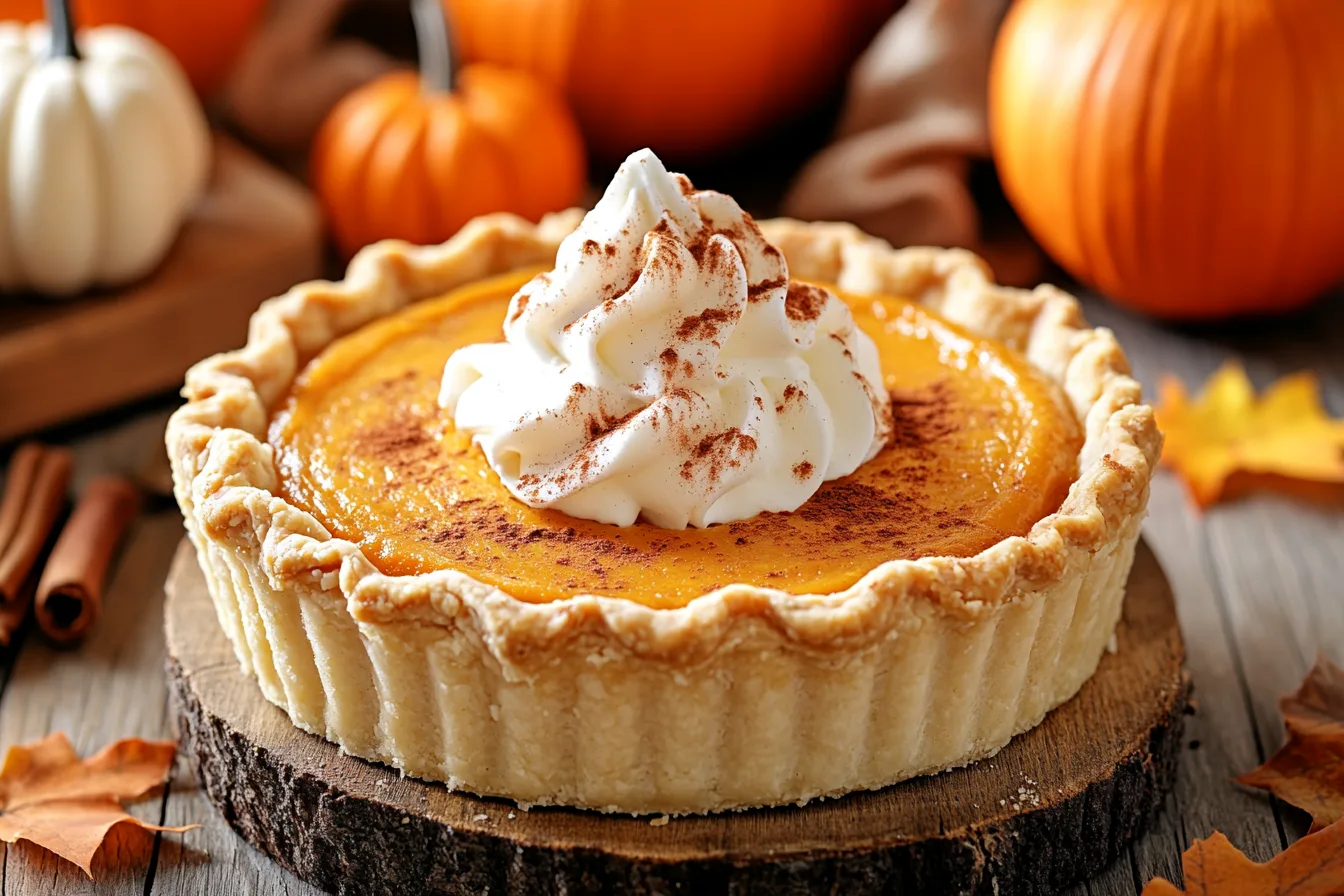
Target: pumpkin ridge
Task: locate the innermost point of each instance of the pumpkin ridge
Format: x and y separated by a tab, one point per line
1289	238
393	160
1180	156
351	208
1214	138
1134	234
1082	153
1154	231
1125	33
402	141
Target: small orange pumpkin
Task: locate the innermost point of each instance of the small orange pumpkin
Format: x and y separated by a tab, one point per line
206	37
415	158
688	78
1185	158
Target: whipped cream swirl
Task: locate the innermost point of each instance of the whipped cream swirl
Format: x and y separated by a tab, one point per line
668	369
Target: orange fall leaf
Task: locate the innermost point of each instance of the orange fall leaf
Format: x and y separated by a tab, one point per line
1313	866
1308	770
1227	431
48	795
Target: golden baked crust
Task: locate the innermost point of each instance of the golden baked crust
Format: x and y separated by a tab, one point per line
747	696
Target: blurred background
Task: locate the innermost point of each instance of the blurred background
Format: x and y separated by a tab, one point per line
1179	162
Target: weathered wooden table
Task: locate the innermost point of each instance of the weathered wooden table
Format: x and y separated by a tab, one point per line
1259	583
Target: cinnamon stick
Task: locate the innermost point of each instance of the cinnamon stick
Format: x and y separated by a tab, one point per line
70	594
13	612
19	481
42	486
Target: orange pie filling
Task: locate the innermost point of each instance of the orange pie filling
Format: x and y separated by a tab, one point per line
984	447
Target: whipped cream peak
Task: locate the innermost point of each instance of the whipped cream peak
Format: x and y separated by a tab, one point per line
668	369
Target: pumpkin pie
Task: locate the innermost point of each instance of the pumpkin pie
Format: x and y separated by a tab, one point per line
763	572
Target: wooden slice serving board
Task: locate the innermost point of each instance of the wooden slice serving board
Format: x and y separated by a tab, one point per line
255	233
1056	805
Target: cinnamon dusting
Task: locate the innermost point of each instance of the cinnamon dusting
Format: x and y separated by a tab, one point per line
790	394
706	324
888	509
921	418
593	247
759	292
518	304
804	302
716	453
603	423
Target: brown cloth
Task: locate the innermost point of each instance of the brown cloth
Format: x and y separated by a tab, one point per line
914	122
293	71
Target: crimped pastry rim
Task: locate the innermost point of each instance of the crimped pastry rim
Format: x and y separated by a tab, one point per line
226	482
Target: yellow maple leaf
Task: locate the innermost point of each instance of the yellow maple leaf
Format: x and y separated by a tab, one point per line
1228	430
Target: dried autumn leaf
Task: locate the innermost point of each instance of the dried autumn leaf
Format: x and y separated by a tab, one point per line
50	796
1308	770
1313	866
1226	430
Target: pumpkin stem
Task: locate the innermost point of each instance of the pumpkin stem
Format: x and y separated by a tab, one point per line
62	25
435	45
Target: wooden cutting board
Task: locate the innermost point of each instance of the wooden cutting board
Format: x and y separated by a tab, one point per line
1056	805
254	234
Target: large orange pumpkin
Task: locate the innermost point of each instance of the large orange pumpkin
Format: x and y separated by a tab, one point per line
416	157
206	36
688	77
1185	158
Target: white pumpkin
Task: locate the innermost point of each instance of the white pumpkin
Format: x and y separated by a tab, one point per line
100	158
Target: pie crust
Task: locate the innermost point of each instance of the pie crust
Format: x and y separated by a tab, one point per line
745	697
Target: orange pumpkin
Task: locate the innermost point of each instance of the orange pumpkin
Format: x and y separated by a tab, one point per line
1185	158
206	37
689	77
415	158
